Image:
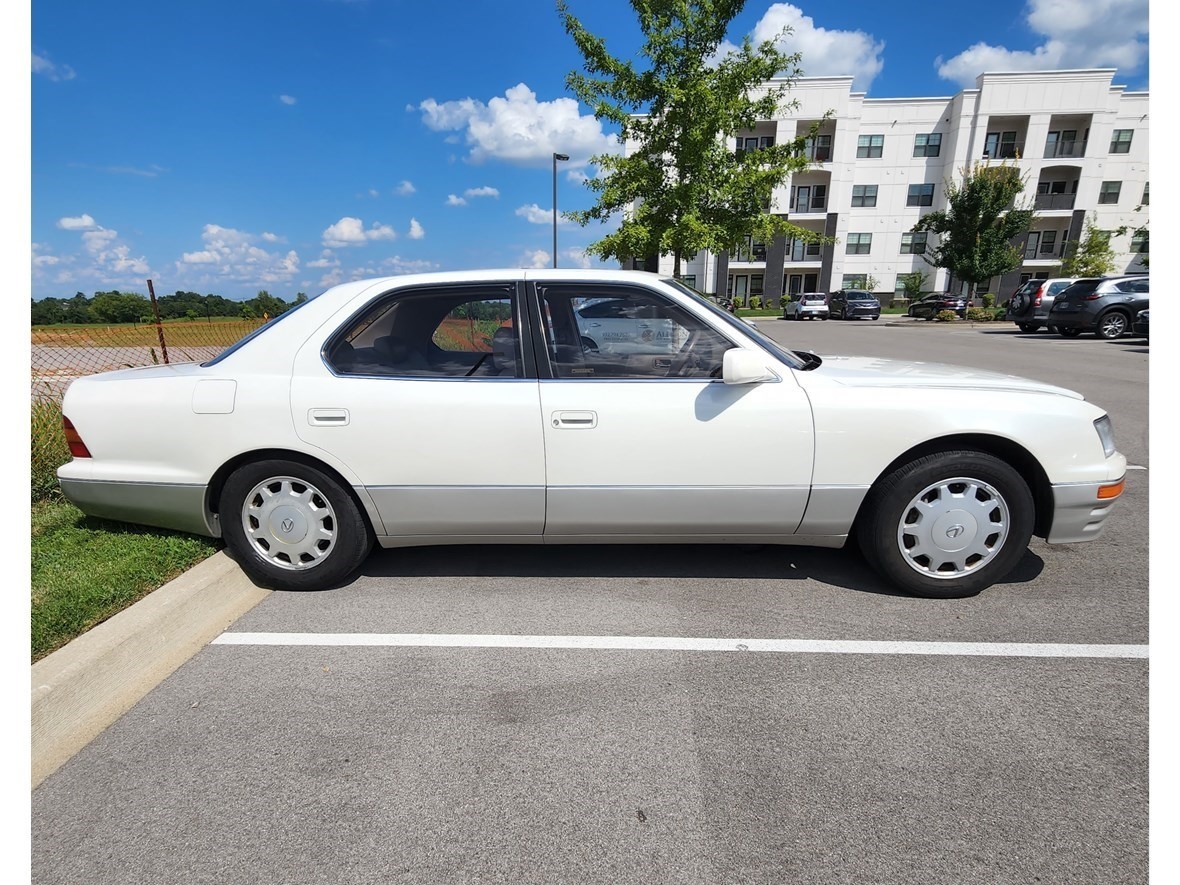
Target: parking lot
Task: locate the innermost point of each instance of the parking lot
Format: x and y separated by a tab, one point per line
658	714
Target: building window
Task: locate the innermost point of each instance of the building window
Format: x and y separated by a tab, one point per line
1030	245
927	145
920	195
859	244
854	281
756	284
913	243
1145	200
808	198
1064	143
690	280
1048	242
1001	146
1139	241
1109	192
801	250
869	146
864	195
1120	141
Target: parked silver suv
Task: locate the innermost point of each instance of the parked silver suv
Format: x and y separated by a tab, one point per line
1030	304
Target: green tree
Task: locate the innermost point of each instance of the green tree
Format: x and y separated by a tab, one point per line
119	307
48	311
1091	256
683	189
977	229
912	284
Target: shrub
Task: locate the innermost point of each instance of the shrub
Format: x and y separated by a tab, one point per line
979	314
755	302
946	316
989	300
49	449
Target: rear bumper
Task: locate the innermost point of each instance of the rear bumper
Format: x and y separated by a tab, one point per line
163	505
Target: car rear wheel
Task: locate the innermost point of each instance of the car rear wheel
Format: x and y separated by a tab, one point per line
1028	327
1112	325
947	525
291	526
1067	332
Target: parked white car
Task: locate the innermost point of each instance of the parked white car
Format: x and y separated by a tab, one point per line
807	306
467	408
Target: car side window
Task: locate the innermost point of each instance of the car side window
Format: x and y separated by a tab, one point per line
628	333
456	332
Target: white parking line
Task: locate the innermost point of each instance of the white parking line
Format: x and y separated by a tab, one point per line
677	643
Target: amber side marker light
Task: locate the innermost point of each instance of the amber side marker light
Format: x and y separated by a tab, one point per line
1113	490
73	440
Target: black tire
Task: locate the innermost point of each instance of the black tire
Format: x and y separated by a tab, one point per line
1067	332
291	526
589	346
979	495
877	317
1111	325
1028	327
1019	305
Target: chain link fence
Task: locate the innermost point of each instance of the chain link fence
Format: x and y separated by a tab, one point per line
62	353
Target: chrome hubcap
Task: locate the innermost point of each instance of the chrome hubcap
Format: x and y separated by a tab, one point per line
953	527
289	523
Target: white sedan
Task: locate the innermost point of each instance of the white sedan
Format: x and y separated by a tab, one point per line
468	408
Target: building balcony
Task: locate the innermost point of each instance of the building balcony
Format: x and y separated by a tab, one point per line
1056	149
1052	202
1006	151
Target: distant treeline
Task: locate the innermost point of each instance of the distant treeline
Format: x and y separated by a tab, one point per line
131	307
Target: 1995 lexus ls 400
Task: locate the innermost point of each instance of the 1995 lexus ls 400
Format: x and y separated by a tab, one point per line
555	406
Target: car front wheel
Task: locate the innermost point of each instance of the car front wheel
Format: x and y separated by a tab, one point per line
291	526
947	525
1112	325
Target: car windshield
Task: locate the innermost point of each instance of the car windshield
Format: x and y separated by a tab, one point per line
860	296
267	325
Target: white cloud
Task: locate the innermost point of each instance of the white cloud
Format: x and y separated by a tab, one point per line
233	255
518	129
287	99
536	258
826	53
1091	34
349	231
404	189
81	222
46	68
534	214
327	259
416	231
481	192
454	200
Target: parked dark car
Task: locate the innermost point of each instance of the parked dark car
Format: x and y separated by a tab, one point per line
1139	326
1106	306
852	304
934	304
1030	304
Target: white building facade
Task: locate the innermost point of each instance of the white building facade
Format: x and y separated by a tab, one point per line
1079	140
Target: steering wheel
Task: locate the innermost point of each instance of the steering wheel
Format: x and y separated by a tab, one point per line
685	357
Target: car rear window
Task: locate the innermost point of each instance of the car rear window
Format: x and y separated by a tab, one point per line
1082	287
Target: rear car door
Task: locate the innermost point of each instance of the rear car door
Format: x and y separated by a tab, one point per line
429	396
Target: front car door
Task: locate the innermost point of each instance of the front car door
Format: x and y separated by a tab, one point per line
651	443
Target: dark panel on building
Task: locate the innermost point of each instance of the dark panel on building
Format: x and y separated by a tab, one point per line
826	283
772	280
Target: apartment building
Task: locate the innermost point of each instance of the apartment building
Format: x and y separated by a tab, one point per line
879	164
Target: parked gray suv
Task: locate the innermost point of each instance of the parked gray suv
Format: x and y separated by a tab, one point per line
1106	306
1029	305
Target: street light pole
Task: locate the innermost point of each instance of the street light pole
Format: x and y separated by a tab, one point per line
556	157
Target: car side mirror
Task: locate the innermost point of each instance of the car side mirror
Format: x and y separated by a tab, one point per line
741	366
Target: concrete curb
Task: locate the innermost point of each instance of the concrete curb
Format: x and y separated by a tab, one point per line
82	688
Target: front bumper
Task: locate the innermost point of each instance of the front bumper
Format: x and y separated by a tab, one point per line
1078	513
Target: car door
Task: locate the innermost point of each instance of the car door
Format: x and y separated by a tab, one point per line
427	396
654	445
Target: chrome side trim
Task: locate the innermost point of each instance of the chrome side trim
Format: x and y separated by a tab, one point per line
831	541
165	505
1078	513
460	510
831	509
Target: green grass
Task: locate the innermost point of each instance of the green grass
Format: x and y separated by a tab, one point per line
85	570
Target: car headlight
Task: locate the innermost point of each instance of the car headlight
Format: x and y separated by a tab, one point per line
1106	434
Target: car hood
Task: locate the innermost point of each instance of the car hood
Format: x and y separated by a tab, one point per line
863	371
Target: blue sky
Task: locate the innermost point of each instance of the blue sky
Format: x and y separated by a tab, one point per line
290	144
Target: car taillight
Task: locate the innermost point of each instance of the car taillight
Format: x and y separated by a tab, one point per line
1093	296
74	440
1037	296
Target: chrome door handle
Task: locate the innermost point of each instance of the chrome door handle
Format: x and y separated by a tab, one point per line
575	420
